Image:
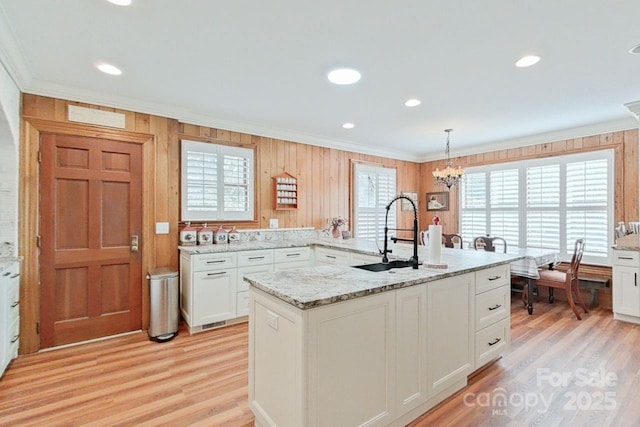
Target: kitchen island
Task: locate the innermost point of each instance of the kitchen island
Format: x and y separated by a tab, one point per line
341	346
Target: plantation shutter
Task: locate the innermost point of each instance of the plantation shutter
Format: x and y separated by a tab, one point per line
217	182
543	207
374	187
587	214
504	195
473	218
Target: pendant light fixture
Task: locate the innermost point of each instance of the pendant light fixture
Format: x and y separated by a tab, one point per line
449	176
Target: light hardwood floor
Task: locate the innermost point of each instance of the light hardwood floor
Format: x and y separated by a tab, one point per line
202	379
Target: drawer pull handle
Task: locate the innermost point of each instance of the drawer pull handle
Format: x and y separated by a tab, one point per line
330	256
216	261
6	274
220	273
495	307
635	279
497	340
15	275
625	257
491	279
15	304
256	257
298	254
15	338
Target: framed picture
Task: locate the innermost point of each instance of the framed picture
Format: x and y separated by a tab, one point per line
438	201
406	205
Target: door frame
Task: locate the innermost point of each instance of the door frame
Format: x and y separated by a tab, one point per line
29	222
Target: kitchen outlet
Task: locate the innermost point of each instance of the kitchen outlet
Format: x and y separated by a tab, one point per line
273	223
272	320
162	228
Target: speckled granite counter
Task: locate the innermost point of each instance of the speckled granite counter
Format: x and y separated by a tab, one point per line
353	245
315	286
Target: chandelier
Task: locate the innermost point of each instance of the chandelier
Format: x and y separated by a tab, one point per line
449	176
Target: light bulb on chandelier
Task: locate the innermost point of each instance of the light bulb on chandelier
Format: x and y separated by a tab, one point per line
450	175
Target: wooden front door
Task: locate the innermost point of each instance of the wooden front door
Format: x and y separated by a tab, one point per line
91	284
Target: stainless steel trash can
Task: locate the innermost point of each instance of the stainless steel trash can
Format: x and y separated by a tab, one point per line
164	293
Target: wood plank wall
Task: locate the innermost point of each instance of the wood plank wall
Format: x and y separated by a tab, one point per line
625	146
323	175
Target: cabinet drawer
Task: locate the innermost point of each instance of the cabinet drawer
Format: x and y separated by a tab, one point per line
331	256
259	257
205	262
14	331
626	258
244	286
290	265
492	306
492	278
291	254
492	341
363	259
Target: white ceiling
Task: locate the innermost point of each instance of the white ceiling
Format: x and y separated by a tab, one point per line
260	66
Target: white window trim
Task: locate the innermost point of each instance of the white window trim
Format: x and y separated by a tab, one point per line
565	252
220	214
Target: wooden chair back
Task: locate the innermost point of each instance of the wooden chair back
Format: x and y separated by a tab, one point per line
489	243
578	251
452	240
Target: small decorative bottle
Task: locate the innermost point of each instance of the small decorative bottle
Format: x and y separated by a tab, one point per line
205	235
234	235
220	235
188	235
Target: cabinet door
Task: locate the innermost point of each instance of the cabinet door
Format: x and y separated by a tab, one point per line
411	347
450	331
214	296
626	290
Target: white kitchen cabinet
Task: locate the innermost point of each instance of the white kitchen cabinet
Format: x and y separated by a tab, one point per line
492	323
290	258
9	314
208	285
450	332
259	261
626	286
411	347
330	256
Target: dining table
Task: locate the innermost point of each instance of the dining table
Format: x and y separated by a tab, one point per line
534	258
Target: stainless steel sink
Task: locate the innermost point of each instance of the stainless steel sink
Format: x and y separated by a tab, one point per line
381	266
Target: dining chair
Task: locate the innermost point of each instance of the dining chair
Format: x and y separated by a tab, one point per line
489	243
567	280
452	240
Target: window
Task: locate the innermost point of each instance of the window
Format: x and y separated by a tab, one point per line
217	182
543	203
373	188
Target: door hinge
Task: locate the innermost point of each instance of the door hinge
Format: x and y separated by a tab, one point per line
38	241
38	328
39	156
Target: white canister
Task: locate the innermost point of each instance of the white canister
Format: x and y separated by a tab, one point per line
205	235
188	235
234	235
220	236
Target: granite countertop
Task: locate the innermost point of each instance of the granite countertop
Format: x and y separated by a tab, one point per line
311	287
351	245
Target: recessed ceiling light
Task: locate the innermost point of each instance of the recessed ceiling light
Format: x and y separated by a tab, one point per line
527	61
635	50
413	102
120	2
348	125
109	69
343	76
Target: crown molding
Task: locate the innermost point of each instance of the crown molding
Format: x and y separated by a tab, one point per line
54	90
634	108
541	138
